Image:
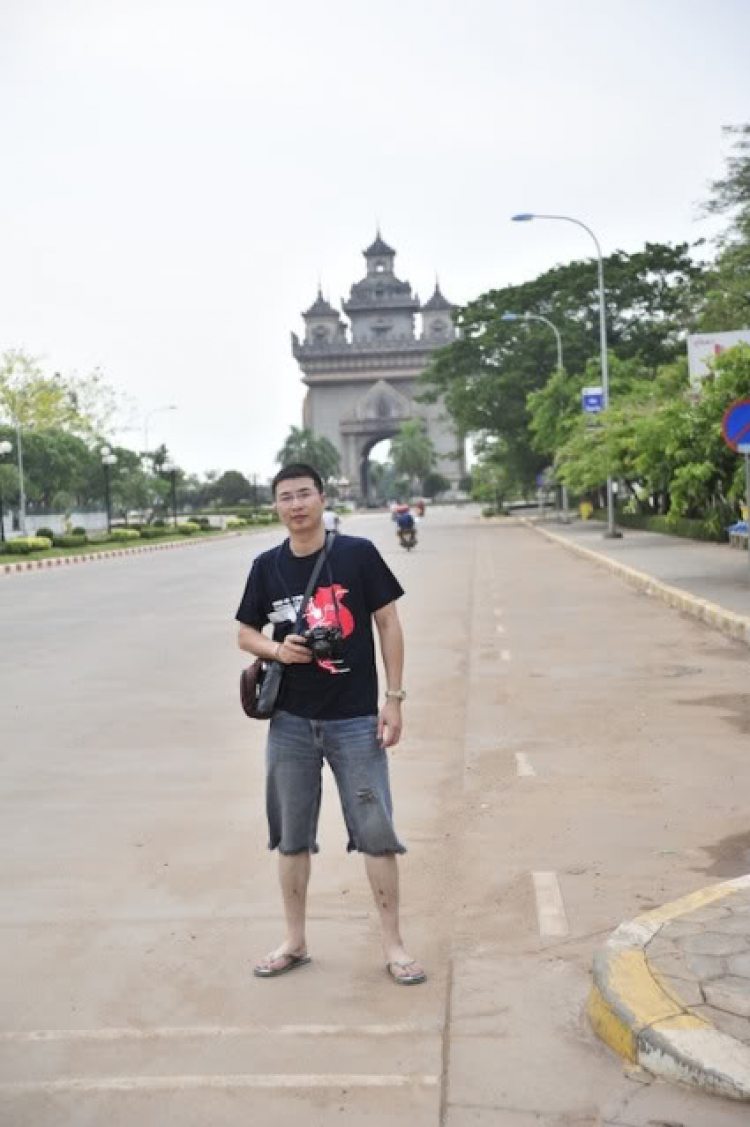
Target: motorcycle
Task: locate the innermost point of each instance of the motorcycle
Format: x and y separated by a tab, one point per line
407	538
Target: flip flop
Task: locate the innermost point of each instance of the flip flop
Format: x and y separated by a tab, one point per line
294	961
405	979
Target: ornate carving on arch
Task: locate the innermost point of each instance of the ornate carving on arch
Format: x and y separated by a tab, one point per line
381	405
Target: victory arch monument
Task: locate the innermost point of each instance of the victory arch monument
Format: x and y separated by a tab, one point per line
362	377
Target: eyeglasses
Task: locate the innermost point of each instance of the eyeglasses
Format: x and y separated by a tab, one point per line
303	495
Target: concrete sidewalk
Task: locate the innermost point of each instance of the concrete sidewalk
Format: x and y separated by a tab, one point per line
671	988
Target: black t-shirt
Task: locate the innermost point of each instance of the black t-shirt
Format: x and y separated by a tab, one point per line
356	577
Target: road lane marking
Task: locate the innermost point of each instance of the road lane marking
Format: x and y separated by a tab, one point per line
524	766
550	908
505	655
500	629
229	1082
217	1031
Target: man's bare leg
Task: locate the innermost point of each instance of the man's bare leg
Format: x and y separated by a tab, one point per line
382	873
294	877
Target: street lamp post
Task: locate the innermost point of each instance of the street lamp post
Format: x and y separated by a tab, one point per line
560	366
147	416
525	217
171	469
5	448
108	459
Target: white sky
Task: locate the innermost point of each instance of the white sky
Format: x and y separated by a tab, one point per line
176	174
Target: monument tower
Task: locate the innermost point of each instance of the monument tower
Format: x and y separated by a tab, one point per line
362	376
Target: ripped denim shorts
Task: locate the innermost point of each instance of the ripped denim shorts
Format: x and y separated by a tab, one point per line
295	753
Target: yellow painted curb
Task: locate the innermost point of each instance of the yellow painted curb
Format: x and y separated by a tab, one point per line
609	1027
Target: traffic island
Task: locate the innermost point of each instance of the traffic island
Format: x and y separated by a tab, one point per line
107	553
671	990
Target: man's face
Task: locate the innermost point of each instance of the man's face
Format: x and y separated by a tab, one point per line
299	504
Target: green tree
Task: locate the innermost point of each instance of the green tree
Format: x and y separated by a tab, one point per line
434	483
232	488
302	445
412	451
486	376
727	304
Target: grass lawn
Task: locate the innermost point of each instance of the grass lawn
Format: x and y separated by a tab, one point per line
108	546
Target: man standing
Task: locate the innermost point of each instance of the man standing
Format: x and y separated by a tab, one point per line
328	708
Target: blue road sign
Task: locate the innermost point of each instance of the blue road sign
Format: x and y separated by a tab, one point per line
592	400
735	426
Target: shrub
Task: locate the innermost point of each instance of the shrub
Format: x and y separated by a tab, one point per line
124	535
24	545
69	541
50	535
711	528
236	522
160	523
79	530
204	522
188	528
151	532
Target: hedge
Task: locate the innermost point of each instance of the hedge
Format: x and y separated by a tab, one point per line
123	535
69	541
685	527
24	545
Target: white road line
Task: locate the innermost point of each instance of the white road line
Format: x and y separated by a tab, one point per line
242	1080
505	655
500	629
182	1033
550	908
524	766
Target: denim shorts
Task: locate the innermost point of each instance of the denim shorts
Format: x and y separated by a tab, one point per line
295	753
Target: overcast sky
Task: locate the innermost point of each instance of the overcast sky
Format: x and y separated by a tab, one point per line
175	175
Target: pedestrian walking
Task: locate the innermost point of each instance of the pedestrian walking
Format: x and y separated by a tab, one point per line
328	707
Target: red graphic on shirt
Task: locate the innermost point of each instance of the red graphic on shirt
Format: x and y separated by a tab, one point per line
322	611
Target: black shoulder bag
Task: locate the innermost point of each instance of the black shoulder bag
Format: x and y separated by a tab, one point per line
260	683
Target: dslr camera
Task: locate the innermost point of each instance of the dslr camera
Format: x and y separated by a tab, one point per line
324	642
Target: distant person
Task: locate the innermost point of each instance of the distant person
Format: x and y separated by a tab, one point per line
328	709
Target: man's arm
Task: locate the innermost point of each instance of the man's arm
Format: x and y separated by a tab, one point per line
392	648
292	651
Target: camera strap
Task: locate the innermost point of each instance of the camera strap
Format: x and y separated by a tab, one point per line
322	558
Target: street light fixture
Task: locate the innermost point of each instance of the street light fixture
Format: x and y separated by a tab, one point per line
108	460
527	216
147	416
171	468
5	448
560	366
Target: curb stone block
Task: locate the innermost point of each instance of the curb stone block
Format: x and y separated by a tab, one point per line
648	1022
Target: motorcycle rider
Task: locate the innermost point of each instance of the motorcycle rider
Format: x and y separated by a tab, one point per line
405	527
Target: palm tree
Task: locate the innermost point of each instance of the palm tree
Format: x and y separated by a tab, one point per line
302	445
412	450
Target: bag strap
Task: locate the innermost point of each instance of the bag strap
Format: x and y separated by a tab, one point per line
322	557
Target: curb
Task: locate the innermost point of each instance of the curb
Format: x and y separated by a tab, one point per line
647	1023
735	626
61	561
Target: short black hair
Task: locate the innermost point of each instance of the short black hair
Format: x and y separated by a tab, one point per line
297	469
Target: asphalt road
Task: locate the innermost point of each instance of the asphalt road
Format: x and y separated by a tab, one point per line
574	754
